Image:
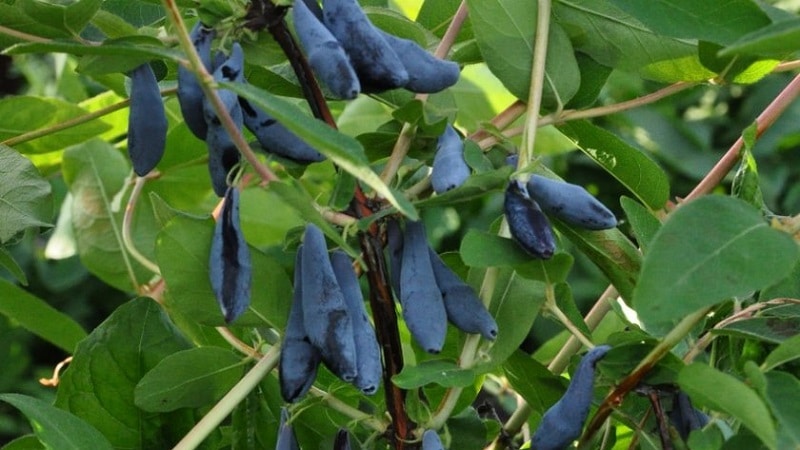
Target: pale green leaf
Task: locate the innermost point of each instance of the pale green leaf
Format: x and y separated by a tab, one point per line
713	389
25	197
36	316
344	151
704	254
56	428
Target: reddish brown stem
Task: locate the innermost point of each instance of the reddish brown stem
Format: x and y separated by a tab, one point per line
385	315
380	294
763	122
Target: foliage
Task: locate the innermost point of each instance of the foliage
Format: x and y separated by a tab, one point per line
648	105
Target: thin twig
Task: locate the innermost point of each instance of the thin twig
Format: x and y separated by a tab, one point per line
21	35
75	121
675	336
537	82
748	312
763	122
566	116
337	405
226	405
127	224
502	120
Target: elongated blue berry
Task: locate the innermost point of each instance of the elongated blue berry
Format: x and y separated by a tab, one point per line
276	138
563	422
286	437
450	170
464	309
230	270
426	73
342	441
685	417
571	203
394	247
368	353
190	95
325	55
431	441
527	223
222	152
423	308
374	60
147	122
299	359
325	314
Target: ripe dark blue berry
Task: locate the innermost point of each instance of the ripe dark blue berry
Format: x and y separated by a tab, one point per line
570	203
190	94
450	170
230	270
527	223
563	422
147	121
299	359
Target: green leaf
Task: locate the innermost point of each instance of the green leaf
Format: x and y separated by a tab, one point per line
8	263
645	225
783	397
719	22
69	17
737	68
55	427
788	350
516	302
481	249
610	250
505	32
637	172
343	150
182	250
476	186
100	381
293	193
26	442
22	114
442	372
699	256
41	319
593	77
769	329
713	389
436	15
537	385
616	39
138	13
467	430
25	197
776	40
188	379
95	173
13	17
113	55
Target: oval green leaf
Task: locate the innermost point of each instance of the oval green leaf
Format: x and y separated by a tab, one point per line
55	427
704	254
722	392
188	379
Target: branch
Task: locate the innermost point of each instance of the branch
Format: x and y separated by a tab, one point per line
226	405
21	35
537	82
763	122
